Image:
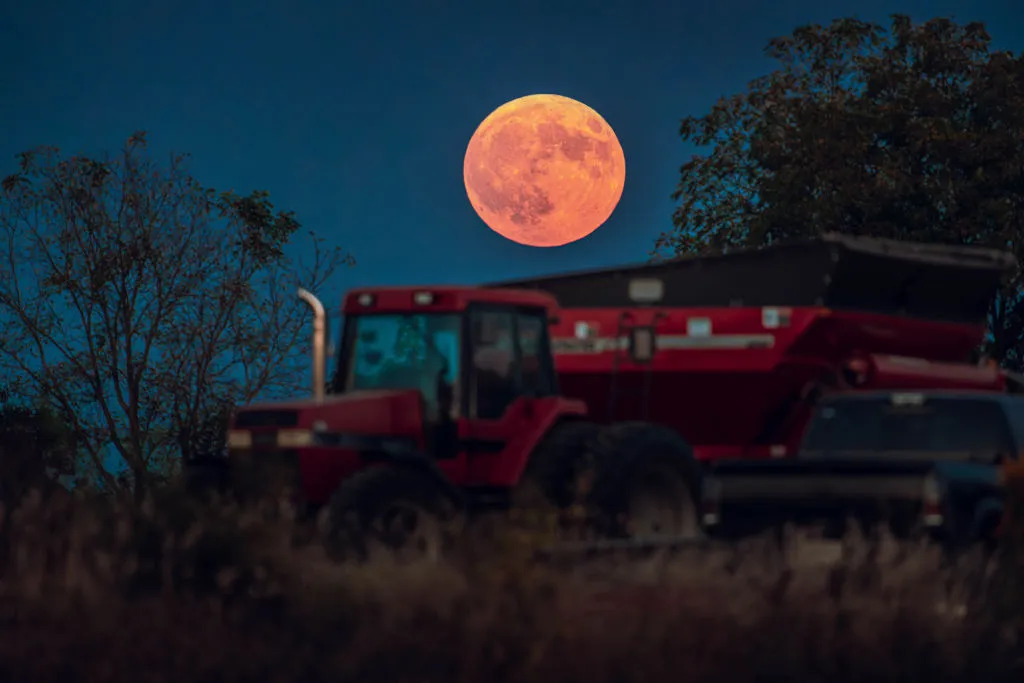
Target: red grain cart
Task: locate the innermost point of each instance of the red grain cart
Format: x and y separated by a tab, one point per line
736	348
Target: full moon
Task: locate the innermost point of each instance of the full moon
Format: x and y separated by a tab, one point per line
544	170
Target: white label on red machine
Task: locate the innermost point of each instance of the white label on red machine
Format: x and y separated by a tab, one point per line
698	327
670	342
773	318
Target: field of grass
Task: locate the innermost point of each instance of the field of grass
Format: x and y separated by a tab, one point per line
90	592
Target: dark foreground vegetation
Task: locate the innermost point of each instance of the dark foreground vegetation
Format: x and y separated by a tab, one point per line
95	592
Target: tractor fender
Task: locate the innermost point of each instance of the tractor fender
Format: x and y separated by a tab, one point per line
548	413
423	465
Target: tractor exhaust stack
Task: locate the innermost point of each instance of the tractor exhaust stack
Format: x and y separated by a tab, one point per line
319	342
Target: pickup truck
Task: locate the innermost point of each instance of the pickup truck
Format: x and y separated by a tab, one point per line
926	465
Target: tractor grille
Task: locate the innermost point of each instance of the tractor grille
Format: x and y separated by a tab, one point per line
266	418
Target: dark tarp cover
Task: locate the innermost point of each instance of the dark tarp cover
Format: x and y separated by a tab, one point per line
938	282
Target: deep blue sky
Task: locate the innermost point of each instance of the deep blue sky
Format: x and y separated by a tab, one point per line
356	115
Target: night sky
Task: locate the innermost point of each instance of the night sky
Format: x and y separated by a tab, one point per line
356	115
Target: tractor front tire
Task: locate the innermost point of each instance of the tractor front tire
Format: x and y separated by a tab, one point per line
205	477
647	482
393	512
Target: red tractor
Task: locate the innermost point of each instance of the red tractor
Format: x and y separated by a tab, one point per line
609	387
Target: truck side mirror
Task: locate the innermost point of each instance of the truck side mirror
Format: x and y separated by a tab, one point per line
641	344
988	457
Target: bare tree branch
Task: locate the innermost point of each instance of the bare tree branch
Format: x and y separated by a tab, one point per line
139	304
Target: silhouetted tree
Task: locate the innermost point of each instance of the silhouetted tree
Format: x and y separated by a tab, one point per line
136	302
914	133
37	450
207	436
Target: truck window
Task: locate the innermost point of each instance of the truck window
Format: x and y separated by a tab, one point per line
1015	408
937	425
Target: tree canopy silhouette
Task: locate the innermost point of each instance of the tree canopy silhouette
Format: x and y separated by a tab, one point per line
136	303
914	133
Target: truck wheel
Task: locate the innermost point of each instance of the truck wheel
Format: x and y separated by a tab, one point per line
647	482
560	466
393	511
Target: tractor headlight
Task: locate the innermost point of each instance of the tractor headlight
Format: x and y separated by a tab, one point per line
239	438
296	438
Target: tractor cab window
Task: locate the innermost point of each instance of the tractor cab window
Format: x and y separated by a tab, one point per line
404	351
535	361
495	370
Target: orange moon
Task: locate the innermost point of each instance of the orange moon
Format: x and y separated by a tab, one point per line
544	170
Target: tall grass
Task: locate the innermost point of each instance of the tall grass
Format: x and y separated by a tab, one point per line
92	591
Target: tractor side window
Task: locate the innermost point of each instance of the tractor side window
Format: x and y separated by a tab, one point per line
494	363
534	363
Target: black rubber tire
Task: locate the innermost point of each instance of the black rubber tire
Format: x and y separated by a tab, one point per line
205	477
624	455
559	462
357	507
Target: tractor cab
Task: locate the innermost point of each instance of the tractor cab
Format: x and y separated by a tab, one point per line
456	380
469	353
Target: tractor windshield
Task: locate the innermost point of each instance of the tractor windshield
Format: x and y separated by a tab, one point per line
404	351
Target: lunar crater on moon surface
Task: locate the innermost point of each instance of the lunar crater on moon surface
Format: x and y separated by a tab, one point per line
544	170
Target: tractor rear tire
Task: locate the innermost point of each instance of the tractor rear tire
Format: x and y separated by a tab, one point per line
558	477
561	464
647	482
390	512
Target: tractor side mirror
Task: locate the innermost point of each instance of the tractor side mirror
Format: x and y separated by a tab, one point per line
642	344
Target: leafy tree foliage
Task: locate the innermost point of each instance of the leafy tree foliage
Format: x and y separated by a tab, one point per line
914	133
135	303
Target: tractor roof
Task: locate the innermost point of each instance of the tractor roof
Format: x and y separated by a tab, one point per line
440	298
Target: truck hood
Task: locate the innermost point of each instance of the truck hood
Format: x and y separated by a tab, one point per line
379	412
803	466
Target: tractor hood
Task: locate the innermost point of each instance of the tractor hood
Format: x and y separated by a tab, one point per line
368	412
